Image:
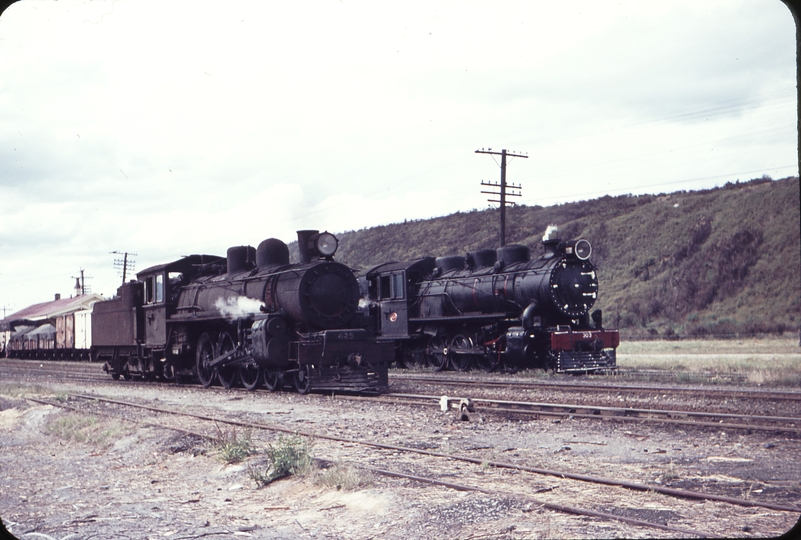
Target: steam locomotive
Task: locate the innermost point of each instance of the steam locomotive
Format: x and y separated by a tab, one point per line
493	309
250	317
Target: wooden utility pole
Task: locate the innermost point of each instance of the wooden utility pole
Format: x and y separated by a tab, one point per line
81	283
503	187
123	264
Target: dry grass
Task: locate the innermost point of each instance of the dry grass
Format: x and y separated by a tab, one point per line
344	477
768	362
20	390
85	428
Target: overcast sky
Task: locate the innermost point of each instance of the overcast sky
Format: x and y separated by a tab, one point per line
169	128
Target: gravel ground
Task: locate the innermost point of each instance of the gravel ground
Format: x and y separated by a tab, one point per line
136	481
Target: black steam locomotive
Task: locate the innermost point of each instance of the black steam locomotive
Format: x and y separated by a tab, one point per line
250	317
494	308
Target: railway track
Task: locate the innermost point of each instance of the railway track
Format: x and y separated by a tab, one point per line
432	480
93	371
85	371
82	371
598	387
717	420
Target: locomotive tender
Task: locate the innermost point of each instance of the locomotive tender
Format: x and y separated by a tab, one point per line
250	317
494	308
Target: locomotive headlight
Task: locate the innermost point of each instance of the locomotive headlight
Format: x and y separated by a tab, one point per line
326	244
583	249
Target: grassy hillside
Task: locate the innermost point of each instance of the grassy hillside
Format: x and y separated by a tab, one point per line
723	261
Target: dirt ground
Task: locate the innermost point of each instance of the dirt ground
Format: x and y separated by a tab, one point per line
136	481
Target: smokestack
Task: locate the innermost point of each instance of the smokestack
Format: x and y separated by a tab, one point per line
58	296
303	245
551	248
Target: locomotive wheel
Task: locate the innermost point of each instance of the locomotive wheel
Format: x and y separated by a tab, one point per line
436	353
486	362
205	354
409	358
228	376
273	379
551	361
250	375
413	361
302	380
461	362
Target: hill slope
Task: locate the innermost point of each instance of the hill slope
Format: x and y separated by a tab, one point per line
722	261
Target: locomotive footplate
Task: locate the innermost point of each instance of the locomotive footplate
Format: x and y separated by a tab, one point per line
346	360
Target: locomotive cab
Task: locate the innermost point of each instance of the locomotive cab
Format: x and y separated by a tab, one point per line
388	289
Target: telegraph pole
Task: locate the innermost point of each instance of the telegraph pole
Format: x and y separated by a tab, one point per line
502	188
80	283
123	264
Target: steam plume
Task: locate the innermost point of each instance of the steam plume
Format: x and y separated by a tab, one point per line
238	307
548	232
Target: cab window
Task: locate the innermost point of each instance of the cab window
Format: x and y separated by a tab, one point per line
384	288
159	288
391	286
397	285
149	290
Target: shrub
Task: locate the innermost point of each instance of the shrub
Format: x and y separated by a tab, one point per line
232	448
290	455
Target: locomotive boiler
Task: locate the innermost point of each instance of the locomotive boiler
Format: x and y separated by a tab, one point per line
251	318
494	308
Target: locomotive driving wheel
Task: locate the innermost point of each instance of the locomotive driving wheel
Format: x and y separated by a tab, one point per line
205	354
487	362
273	379
460	359
250	375
437	353
228	376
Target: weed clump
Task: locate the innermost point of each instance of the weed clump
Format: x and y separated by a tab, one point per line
233	448
343	477
290	455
